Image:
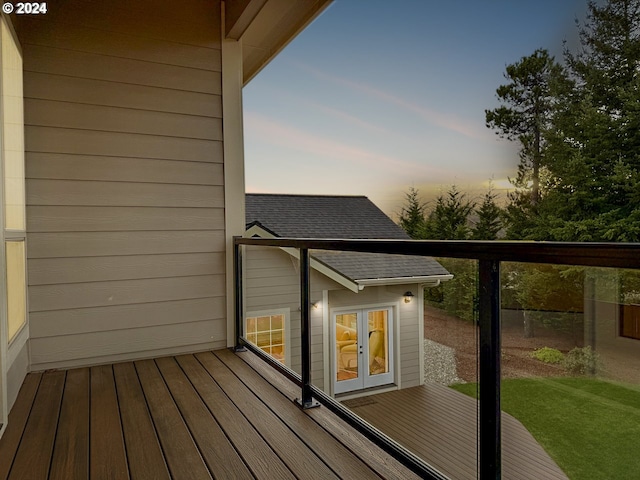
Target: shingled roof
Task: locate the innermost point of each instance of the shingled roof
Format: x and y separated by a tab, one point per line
321	216
339	217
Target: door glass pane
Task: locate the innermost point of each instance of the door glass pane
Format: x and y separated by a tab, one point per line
15	287
346	346
378	327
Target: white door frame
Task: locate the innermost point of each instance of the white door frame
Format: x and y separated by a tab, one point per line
9	349
364	379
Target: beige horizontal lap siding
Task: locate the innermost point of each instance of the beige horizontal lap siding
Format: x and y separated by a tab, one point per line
410	336
125	182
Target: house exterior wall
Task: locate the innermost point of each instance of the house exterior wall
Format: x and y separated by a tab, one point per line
18	368
272	282
125	180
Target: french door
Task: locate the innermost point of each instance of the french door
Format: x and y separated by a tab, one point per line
363	348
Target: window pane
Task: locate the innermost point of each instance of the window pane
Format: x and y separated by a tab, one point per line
15	287
264	339
264	324
277	322
251	325
13	133
277	337
378	342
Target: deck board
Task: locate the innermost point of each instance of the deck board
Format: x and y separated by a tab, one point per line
33	457
180	450
227	420
210	415
17	421
218	452
144	453
379	460
341	460
448	443
303	463
440	425
71	448
106	439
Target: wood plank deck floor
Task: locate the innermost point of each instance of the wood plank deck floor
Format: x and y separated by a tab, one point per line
440	426
209	415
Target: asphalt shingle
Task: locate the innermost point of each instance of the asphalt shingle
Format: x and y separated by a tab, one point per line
339	217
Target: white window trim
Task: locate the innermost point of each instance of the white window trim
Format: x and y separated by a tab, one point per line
286	312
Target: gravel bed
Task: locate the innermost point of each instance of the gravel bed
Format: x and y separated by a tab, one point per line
440	364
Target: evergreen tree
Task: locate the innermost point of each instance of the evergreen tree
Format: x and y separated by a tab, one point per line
412	218
579	133
490	218
449	219
594	153
528	103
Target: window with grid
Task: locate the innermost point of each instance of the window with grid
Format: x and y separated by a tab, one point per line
267	332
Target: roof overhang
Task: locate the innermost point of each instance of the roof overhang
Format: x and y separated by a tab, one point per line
266	27
427	280
257	230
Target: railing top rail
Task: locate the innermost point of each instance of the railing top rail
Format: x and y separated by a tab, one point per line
620	255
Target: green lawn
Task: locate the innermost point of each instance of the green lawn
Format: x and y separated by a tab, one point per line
590	427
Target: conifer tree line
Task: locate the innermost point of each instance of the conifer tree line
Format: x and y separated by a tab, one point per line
576	122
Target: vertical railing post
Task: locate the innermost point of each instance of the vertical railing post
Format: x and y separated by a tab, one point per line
490	417
237	275
306	400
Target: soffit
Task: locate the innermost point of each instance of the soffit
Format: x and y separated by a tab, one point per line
274	25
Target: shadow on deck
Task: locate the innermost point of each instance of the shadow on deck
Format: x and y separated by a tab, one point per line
440	426
213	414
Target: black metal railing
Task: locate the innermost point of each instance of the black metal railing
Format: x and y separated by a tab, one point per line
490	254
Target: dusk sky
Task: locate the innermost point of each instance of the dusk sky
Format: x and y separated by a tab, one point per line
378	96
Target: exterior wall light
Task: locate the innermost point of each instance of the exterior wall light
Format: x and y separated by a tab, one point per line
408	296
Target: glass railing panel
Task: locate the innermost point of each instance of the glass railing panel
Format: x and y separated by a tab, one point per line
404	357
388	351
451	365
570	362
399	353
272	303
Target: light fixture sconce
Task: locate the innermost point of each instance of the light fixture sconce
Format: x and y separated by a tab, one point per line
314	305
408	296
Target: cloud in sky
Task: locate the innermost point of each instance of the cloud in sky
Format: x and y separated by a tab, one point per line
272	131
439	119
352	119
286	96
